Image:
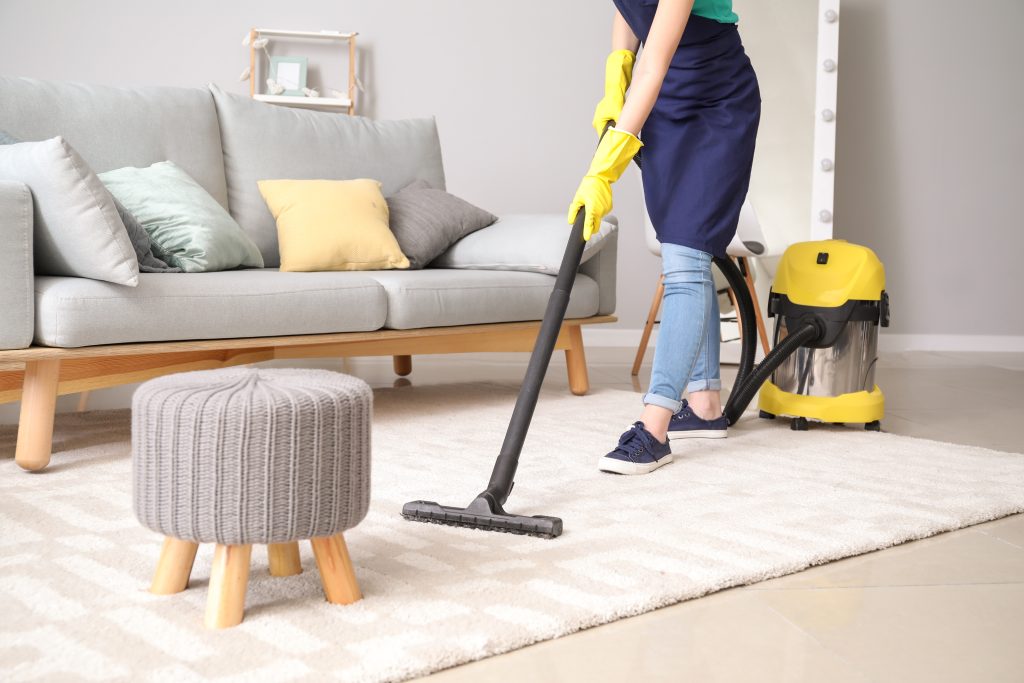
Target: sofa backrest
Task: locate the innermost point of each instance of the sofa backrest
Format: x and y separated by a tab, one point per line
117	127
268	142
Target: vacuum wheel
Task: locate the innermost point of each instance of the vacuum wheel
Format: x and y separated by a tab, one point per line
875	426
799	424
765	415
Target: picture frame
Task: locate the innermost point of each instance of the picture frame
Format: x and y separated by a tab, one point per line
289	72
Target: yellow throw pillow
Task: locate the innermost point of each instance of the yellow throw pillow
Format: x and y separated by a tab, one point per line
332	225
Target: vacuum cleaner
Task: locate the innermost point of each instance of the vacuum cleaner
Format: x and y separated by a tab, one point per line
830	295
828	301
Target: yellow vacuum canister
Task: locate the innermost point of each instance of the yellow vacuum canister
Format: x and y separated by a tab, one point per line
839	288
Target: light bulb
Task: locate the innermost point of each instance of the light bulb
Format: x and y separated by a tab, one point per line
831	16
826	165
825	216
829	65
828	115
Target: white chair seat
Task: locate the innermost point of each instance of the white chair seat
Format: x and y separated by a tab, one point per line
749	241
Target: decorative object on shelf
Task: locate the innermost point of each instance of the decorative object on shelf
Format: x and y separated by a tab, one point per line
286	80
288	75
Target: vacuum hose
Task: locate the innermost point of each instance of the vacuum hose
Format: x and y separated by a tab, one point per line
745	389
745	312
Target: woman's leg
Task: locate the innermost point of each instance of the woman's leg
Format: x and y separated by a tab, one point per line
686	310
705	385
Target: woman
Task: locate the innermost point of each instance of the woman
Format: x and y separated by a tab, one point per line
695	102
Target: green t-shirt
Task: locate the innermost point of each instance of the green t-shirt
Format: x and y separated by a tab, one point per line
719	10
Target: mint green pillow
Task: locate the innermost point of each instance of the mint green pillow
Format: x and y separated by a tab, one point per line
188	227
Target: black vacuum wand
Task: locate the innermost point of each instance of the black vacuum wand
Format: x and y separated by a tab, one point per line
486	511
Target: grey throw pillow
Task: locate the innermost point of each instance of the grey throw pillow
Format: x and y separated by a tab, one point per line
148	261
426	221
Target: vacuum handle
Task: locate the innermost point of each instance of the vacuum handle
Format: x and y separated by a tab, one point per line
500	484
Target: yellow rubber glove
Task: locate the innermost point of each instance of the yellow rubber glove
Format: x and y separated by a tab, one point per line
617	149
618	72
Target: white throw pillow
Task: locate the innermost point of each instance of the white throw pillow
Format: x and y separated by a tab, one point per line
77	230
534	243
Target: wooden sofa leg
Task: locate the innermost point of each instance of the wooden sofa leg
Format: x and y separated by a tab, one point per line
403	365
576	361
38	404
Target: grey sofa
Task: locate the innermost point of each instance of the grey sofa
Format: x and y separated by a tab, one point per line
65	334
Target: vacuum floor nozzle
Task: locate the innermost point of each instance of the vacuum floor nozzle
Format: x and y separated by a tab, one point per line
482	514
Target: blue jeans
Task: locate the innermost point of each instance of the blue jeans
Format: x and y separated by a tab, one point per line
686	357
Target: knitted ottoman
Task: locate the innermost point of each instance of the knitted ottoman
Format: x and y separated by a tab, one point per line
239	456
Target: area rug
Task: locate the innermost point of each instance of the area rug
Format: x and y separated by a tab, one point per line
75	565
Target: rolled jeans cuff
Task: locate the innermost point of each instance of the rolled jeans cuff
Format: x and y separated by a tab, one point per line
704	385
651	399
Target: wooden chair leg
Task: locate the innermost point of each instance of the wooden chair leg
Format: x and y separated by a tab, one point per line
284	559
38	404
336	572
652	316
229	579
403	365
576	361
736	309
174	567
762	331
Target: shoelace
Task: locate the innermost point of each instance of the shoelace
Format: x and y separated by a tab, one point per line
627	442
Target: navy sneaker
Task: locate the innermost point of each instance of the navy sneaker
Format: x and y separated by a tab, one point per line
638	452
687	425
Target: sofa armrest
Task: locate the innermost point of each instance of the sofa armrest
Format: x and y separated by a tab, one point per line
602	267
17	291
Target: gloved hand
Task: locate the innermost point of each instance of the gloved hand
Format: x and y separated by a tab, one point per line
617	149
618	72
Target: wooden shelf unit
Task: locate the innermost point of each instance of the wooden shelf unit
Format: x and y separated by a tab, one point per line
348	103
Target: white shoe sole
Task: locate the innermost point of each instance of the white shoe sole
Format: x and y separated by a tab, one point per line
614	466
699	434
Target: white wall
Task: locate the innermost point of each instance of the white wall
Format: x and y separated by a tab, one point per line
929	162
929	143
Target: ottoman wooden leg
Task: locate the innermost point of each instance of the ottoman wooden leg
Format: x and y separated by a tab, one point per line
336	573
174	567
284	559
229	577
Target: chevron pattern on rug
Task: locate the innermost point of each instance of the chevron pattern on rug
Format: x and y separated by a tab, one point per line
75	565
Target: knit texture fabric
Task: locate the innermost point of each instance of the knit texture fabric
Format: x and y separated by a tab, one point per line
247	455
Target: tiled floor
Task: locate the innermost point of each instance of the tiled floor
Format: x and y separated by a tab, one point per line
948	608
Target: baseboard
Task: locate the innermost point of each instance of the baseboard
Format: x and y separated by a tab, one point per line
598	337
978	343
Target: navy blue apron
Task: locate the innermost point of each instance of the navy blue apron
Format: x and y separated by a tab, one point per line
699	139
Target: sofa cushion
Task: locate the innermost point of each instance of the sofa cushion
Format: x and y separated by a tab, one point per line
74	312
117	127
77	230
438	298
265	142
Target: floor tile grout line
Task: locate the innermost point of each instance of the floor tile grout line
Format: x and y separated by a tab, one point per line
838	655
970	584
